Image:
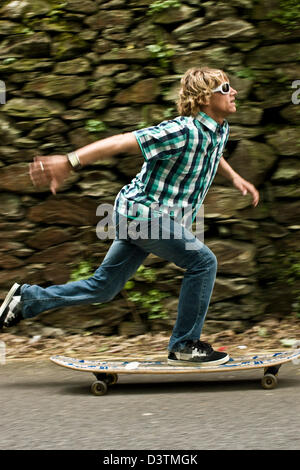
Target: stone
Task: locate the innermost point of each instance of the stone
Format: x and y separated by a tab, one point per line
228	28
290	191
127	55
26	65
75	66
276	32
271	95
174	15
287	213
99	184
56	273
7	27
253	160
130	166
229	288
245	230
64	253
57	86
109	70
86	101
17	9
214	326
102	86
80	6
48	128
118	19
8	261
16	178
217	56
67	46
32	108
287	171
50	332
239	132
147	33
129	77
44	238
129	328
80	137
233	257
263	8
14	9
144	91
32	46
229	311
267	56
10	206
58	210
122	114
95	317
187	32
291	113
248	114
8	133
220	10
224	202
286	141
273	230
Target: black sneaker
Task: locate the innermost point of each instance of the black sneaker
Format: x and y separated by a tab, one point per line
197	353
10	310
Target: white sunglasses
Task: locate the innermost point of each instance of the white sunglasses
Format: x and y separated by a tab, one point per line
224	88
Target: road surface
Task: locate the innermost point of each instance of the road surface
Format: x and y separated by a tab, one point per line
44	406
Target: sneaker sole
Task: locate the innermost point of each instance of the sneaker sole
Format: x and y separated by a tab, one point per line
6	302
178	362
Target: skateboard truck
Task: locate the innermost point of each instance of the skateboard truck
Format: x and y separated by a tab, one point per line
100	386
269	379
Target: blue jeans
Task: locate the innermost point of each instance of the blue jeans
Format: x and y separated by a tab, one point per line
174	243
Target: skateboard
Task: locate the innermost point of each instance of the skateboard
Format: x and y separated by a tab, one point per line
106	372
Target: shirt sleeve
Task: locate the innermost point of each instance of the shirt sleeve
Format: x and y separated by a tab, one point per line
166	140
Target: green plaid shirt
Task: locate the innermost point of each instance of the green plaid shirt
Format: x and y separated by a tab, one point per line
181	159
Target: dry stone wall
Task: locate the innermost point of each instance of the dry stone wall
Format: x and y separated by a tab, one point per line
77	71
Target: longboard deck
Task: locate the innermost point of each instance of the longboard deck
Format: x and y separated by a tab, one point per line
106	372
162	367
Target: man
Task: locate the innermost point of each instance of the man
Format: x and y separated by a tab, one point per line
181	159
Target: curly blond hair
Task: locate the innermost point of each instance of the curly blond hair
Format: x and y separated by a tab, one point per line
196	88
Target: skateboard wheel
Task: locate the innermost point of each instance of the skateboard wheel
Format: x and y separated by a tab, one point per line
269	381
99	388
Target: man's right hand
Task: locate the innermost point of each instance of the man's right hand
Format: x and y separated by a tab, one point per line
50	171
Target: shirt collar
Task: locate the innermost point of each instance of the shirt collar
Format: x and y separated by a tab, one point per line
210	123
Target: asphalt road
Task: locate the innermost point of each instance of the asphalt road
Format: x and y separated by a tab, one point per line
44	406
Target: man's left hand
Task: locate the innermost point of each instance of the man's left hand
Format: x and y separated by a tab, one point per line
245	187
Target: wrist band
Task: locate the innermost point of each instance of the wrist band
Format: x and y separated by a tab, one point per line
74	160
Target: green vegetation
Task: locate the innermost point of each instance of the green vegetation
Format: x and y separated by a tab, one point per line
92	125
9	60
146	302
149	301
161	5
246	72
288	14
162	52
82	271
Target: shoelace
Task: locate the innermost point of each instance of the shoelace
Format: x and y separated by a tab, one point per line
202	346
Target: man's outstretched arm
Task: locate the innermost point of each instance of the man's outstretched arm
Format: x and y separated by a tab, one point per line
53	170
240	183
